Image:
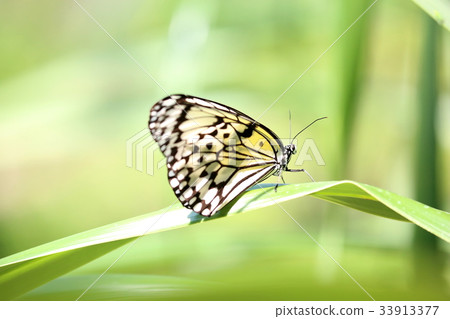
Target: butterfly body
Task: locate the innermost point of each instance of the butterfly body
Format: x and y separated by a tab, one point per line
214	152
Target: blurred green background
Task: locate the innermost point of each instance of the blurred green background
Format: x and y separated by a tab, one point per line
70	98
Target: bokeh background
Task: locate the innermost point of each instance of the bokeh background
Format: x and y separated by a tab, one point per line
70	98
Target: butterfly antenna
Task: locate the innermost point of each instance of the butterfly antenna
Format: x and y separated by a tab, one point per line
321	118
290	125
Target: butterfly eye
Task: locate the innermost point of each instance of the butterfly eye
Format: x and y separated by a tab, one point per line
291	149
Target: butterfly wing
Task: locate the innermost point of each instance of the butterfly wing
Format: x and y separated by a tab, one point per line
213	151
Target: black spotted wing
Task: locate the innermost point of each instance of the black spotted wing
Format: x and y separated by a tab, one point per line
213	151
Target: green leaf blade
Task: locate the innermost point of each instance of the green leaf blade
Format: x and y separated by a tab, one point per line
439	10
29	269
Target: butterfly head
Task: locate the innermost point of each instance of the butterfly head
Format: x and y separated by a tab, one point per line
289	150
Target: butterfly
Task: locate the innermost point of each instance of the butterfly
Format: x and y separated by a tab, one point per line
214	152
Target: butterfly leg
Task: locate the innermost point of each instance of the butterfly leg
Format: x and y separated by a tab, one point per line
300	170
278	182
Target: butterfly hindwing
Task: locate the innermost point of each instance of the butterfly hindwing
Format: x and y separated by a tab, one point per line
213	152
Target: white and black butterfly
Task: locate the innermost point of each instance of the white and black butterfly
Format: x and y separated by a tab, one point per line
213	151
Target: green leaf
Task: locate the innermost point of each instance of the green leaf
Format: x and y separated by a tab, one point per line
29	269
439	10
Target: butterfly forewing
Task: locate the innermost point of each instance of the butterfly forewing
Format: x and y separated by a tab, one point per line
213	152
